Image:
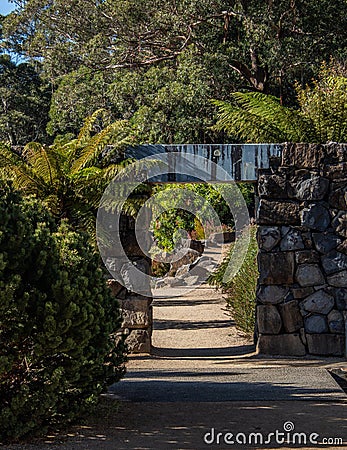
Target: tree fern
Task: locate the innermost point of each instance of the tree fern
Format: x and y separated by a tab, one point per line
68	177
321	116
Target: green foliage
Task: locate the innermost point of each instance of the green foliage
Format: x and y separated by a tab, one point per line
68	176
266	43
168	225
241	289
160	61
58	349
321	117
324	104
24	102
176	199
164	104
77	96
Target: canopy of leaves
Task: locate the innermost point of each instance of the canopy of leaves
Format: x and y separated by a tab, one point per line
165	104
160	61
285	35
24	102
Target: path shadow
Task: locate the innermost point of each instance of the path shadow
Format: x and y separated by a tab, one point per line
214	387
189	325
203	352
183	302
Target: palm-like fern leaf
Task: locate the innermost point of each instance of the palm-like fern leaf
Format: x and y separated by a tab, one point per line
43	160
256	117
116	134
23	175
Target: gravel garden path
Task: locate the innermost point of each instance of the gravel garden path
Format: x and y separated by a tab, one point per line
204	378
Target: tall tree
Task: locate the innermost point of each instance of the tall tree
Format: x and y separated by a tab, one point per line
165	103
24	102
267	43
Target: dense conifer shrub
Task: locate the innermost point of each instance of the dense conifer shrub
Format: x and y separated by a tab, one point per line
58	348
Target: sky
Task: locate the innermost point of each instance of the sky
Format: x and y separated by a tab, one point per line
6	7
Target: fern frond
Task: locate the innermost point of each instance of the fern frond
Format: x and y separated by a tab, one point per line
43	161
256	117
245	125
88	126
115	133
24	177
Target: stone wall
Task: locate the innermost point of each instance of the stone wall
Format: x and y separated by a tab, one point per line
136	308
302	218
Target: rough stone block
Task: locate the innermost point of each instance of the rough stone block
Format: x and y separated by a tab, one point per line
281	344
268	237
136	312
182	271
272	186
320	302
339	224
335	171
276	268
182	258
138	341
303	156
316	323
309	275
272	294
338	279
309	186
334	262
336	322
135	277
115	287
326	344
291	316
278	213
335	153
299	293
338	196
340	295
316	217
191	280
268	319
200	272
307	257
325	242
303	336
292	239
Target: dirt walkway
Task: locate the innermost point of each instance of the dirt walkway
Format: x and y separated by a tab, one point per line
203	379
196	325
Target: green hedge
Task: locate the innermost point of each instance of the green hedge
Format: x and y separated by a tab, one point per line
58	350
